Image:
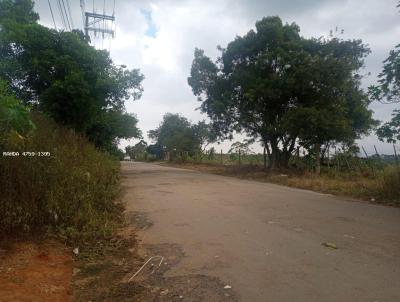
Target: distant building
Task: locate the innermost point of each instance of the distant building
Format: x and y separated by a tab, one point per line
127	157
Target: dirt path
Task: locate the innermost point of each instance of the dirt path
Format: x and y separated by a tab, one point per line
263	240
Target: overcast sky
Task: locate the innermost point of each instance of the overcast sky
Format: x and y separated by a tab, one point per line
159	37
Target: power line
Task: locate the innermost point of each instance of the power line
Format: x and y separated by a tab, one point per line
52	16
70	15
66	14
61	13
83	12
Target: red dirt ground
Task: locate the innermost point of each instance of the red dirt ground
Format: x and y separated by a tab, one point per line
35	272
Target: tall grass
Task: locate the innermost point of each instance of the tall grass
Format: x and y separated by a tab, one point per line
390	183
69	193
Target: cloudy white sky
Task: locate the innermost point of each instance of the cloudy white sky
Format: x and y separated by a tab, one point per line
159	37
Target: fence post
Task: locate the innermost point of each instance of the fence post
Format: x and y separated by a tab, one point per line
372	165
337	160
329	160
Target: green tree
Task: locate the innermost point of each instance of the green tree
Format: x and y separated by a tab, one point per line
205	134
267	81
388	86
138	151
18	11
156	150
390	131
330	84
176	135
64	77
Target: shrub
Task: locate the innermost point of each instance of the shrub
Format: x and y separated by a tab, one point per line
69	193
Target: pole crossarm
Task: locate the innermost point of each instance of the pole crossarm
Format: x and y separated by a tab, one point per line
99	16
93	18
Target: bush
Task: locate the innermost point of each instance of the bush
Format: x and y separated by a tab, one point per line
69	193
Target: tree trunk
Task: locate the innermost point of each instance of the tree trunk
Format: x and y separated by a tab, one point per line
272	161
265	159
318	159
284	159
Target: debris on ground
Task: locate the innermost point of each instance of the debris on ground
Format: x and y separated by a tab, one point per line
330	245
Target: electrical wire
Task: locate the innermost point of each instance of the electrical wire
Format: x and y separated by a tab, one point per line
66	14
61	14
83	13
52	16
104	23
70	15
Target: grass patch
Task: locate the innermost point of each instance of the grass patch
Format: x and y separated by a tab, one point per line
69	193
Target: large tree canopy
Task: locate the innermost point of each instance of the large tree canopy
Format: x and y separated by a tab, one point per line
175	134
64	77
284	89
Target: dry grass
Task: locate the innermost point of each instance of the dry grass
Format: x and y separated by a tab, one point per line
69	193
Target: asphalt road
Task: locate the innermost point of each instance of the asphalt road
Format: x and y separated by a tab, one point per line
265	240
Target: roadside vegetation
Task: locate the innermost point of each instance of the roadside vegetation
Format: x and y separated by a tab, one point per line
62	114
68	192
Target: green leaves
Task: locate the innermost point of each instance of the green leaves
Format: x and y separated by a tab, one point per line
281	88
70	81
13	115
388	91
18	11
388	88
390	131
177	134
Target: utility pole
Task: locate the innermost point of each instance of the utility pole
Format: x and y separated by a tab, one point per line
91	19
97	23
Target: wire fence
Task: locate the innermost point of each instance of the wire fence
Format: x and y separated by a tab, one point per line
339	161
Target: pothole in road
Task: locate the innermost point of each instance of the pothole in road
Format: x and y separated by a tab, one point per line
191	287
139	219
